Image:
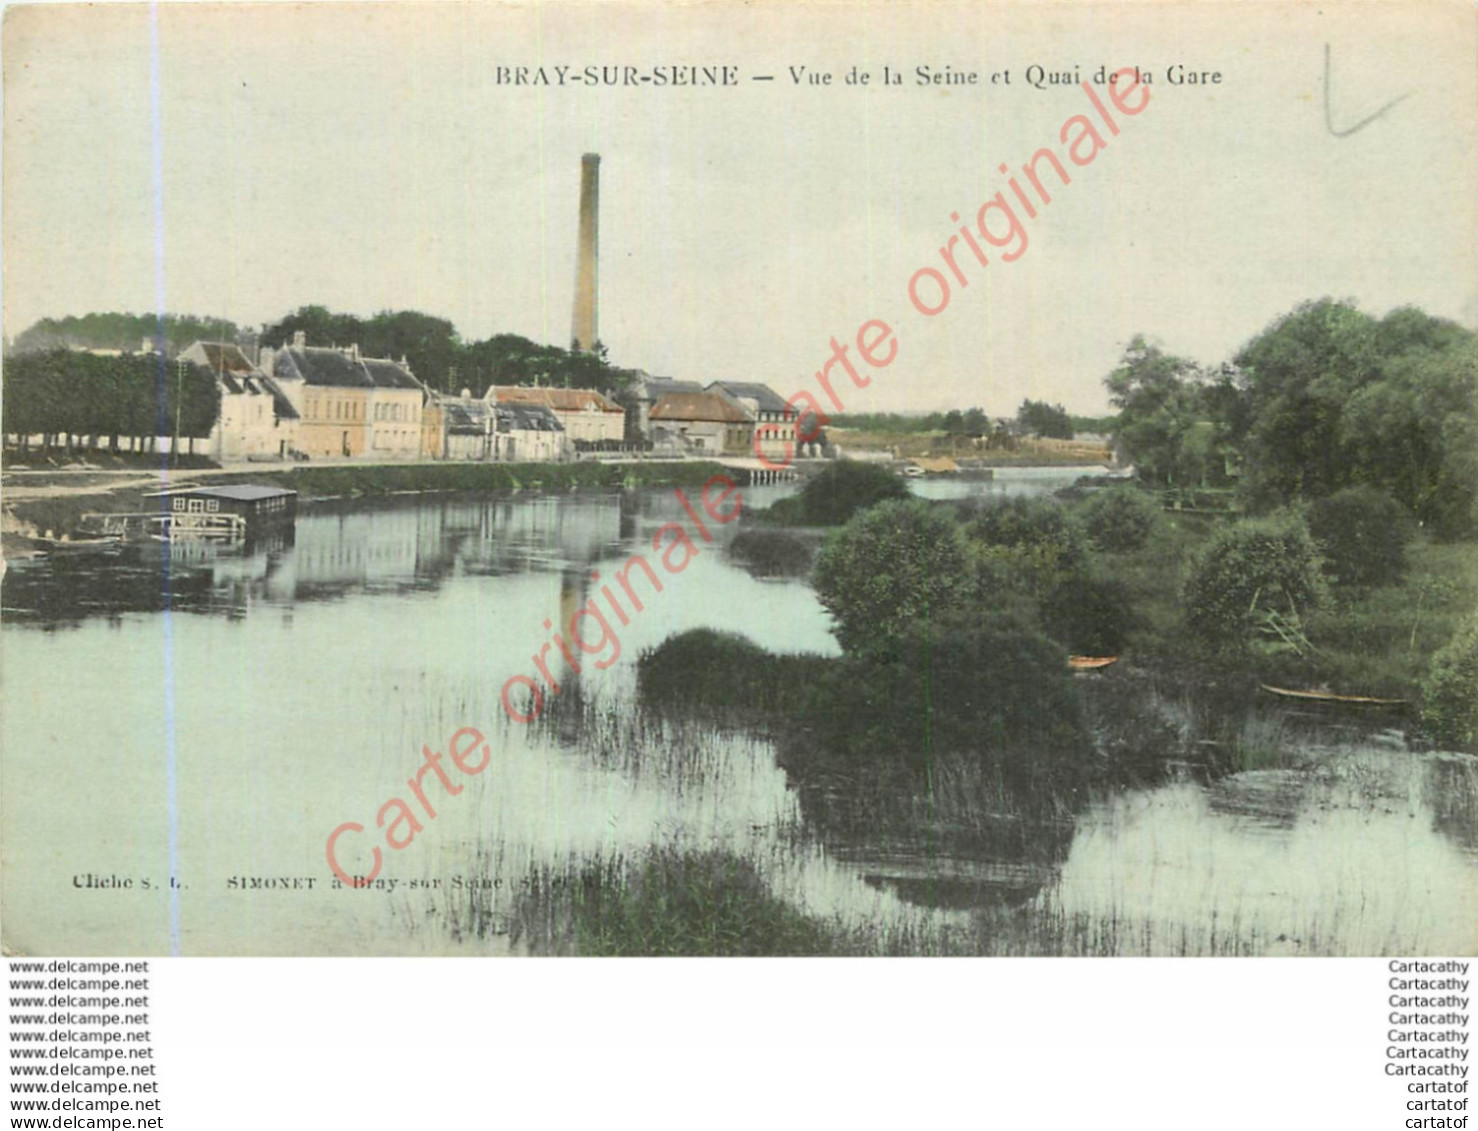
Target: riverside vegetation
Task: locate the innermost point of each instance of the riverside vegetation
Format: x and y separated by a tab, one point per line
1345	561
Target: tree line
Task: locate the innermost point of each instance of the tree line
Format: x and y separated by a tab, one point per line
431	346
116	331
1325	398
1033	418
71	399
438	356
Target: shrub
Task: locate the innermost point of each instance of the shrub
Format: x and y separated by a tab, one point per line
1249	570
1024	521
844	488
1362	533
773	553
1450	693
894	566
711	671
1024	544
996	684
1089	616
1120	518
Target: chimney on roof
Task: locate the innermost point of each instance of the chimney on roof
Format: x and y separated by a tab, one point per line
300	339
583	334
353	351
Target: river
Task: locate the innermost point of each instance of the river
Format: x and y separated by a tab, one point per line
289	690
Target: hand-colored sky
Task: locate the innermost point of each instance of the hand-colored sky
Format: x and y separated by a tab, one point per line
365	158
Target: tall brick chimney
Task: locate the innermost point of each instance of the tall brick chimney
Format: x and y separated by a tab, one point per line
585	331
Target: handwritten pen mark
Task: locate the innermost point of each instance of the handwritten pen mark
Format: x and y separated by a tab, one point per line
1363	122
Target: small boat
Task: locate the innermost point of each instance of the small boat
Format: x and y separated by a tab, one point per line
78	545
1090	663
1320	696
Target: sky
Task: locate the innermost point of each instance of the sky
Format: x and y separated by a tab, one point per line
242	160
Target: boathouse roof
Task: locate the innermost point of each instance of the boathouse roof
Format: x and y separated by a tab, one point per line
238	492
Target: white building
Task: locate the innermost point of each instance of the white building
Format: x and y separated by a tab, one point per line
257	420
588	417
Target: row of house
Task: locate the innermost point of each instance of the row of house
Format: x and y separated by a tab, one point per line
719	419
331	402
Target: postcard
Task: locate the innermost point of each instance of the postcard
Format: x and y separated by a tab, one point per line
740	479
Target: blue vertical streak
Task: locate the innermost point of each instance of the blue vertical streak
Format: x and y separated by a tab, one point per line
171	796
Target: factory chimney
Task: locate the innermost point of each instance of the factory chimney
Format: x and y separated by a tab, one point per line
584	333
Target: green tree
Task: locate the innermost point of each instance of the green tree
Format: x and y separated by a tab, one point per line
117	331
1159	403
1299	374
895	567
1042	419
1411	431
319	325
73	397
429	345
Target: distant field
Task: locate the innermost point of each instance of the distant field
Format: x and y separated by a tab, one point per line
907	445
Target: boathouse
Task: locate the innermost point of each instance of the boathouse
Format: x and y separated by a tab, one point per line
258	505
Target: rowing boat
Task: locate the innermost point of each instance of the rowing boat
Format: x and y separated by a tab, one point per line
1316	696
1090	663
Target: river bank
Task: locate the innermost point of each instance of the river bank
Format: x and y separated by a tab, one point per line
57	501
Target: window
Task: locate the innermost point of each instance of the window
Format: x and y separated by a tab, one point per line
212	505
197	506
179	503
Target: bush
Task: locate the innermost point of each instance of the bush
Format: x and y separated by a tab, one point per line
1027	545
1249	570
843	489
1362	533
1021	521
1089	616
710	671
993	688
773	553
1120	518
1450	693
894	566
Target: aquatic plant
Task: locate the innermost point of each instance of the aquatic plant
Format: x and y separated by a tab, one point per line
667	900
